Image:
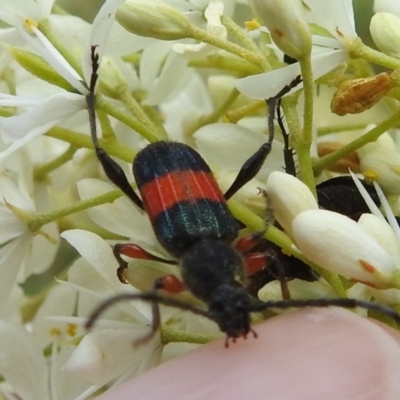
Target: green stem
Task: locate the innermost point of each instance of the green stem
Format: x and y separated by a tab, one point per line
235	65
327	130
107	132
42	219
303	144
76	139
122	116
169	335
357	49
157	120
81	140
370	136
233	116
216	114
43	170
133	106
252	57
239	34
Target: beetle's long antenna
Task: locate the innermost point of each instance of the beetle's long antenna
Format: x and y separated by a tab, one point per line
150	297
345	303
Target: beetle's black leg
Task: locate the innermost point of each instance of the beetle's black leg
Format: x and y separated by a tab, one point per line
113	171
252	165
290	166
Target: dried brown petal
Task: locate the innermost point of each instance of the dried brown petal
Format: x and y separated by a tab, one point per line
358	95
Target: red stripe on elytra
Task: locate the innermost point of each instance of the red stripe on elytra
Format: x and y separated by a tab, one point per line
164	192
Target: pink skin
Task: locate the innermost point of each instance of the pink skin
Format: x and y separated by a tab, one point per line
307	354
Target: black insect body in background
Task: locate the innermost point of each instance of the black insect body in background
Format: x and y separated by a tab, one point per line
192	222
341	195
338	194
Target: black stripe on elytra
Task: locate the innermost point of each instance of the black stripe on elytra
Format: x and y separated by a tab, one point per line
163	158
186	223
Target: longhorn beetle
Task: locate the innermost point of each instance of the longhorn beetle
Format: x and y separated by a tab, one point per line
192	222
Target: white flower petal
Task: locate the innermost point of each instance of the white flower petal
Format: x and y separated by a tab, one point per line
22	363
367	198
120	217
45	7
382	232
11	225
333	16
96	252
60	301
46	50
45	246
11	258
9	100
237	144
99	34
174	76
212	14
267	85
288	197
97	362
388	211
23	128
385	165
339	244
390	6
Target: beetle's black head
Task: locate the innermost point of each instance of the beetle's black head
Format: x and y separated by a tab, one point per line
229	308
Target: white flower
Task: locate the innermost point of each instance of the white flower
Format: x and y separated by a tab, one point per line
288	197
339	244
236	143
287	25
29	373
385	32
391	6
46	113
107	353
327	53
379	161
366	252
212	14
22	252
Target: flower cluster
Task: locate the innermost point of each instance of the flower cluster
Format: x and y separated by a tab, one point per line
197	72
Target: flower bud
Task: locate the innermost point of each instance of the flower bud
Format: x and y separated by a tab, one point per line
287	25
382	232
288	197
338	244
357	95
383	166
37	66
152	18
385	32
